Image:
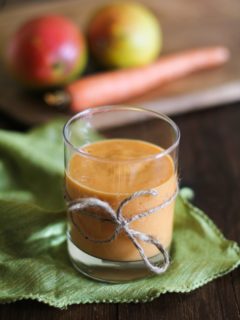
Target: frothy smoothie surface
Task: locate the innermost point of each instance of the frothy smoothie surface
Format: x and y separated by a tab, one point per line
123	166
111	170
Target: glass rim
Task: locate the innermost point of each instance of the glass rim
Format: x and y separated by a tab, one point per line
119	107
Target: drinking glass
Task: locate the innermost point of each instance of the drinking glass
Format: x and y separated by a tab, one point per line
120	184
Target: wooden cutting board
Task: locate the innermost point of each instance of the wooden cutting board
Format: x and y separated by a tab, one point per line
185	23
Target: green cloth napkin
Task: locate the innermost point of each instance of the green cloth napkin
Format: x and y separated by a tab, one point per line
34	263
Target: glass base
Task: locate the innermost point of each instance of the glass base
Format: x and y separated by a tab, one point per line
106	270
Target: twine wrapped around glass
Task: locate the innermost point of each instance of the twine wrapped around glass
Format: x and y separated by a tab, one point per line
120	187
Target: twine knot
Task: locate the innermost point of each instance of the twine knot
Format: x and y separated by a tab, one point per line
82	205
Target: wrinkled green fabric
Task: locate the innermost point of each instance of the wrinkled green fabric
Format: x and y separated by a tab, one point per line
33	257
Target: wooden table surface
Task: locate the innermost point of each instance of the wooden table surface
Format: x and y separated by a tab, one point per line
210	164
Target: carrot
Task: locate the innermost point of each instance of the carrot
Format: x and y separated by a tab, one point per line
117	86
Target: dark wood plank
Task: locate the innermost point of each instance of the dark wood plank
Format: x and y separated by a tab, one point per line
8	123
204	303
27	310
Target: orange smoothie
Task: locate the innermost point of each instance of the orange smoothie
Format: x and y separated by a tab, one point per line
123	166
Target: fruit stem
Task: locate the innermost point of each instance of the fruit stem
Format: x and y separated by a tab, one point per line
57	98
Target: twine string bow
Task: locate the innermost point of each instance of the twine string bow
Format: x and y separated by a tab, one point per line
82	206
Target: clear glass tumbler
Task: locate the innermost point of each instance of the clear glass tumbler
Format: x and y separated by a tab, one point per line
121	184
